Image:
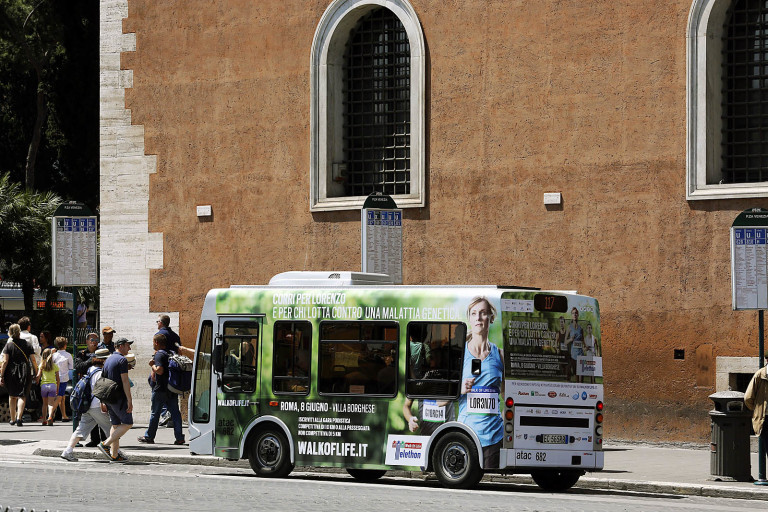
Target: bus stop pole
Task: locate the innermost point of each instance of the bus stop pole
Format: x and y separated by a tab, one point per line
761	347
74	345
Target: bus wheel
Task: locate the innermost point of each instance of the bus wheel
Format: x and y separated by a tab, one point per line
366	475
556	480
268	454
455	461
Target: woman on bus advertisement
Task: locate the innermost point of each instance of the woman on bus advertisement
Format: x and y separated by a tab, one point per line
479	400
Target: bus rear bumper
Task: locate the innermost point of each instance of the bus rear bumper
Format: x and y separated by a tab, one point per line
562	459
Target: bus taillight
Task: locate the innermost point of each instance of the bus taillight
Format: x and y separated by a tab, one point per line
599	418
509	402
509	415
599	406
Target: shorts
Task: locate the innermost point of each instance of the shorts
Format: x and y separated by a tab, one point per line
118	413
63	387
90	419
48	390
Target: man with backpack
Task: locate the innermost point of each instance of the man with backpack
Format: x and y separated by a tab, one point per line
91	412
161	395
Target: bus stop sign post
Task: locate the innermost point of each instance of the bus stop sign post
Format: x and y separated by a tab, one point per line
74	254
749	283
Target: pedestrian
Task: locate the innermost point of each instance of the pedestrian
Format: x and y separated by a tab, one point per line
16	372
173	344
161	397
82	309
96	417
65	363
121	412
83	361
48	377
30	338
45	340
106	334
756	400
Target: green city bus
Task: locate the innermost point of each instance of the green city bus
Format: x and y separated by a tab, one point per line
344	369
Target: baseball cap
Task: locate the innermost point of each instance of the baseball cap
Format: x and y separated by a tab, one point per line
122	341
107	330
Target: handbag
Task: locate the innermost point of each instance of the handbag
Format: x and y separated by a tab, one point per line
107	390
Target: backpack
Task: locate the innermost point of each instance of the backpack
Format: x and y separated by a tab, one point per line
179	374
82	395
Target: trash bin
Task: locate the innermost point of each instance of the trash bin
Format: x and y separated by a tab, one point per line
731	426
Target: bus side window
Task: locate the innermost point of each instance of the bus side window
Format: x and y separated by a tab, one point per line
358	358
292	357
434	359
240	348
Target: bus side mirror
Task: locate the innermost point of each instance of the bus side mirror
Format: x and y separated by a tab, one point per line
218	356
476	366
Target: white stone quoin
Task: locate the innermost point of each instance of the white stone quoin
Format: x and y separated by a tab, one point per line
127	249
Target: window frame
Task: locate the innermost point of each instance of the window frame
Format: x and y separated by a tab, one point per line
703	107
326	104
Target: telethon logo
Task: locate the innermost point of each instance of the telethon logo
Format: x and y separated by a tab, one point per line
404	450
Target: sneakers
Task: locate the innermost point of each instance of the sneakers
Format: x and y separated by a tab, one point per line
119	458
105	450
145	440
13	423
179	442
69	456
19	423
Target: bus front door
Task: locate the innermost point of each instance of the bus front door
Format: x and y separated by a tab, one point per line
238	383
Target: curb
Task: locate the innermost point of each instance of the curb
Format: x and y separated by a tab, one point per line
585	482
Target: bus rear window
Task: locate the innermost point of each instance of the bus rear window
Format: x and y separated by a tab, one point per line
358	358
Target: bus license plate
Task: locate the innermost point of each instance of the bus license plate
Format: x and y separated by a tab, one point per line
554	438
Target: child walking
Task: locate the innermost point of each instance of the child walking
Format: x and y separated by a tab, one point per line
48	375
64	361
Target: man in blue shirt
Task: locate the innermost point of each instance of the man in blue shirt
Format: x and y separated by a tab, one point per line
161	396
120	412
173	342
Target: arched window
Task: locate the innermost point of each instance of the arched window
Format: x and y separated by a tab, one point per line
727	154
367	105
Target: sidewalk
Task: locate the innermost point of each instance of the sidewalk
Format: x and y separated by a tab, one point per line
628	467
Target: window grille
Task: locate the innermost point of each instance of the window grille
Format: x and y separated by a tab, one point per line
377	107
745	93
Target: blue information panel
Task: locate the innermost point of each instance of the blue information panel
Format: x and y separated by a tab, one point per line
749	267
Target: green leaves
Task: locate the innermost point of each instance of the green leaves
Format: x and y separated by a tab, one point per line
25	235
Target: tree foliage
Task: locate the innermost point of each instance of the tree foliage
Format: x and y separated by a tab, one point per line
49	96
25	236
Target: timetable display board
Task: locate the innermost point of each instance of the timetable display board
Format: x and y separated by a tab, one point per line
74	247
382	237
749	260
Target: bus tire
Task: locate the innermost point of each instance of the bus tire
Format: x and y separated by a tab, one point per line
455	461
556	479
366	475
269	455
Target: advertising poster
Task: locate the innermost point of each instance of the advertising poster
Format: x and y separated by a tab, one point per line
372	343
